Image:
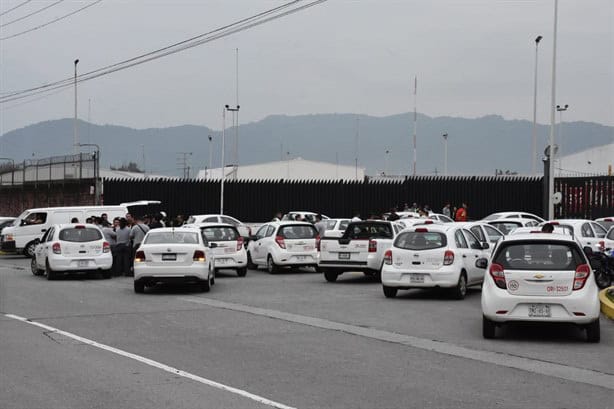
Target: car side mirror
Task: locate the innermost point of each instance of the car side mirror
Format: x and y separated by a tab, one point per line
212	245
481	263
485	246
588	250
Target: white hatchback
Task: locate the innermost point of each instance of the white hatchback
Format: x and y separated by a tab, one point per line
72	248
169	255
229	251
539	277
283	244
433	256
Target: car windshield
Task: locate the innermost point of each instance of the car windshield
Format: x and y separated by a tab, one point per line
539	256
80	234
298	231
368	231
221	233
606	224
171	237
421	240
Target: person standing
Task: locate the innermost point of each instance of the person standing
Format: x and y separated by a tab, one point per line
155	222
446	211
320	225
461	213
122	233
108	231
277	217
137	234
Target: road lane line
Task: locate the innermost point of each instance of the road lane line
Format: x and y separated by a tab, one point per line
566	372
155	364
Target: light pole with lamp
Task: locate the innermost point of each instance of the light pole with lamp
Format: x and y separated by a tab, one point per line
534	151
445	154
12	169
210	154
76	135
97	188
560	109
226	108
550	211
386	162
235	116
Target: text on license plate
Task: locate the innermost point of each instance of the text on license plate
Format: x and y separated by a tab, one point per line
169	256
344	256
416	278
83	263
539	310
301	258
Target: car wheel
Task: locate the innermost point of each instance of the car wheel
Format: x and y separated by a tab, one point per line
242	272
250	262
271	266
460	291
488	328
139	287
330	276
593	331
35	270
389	292
51	275
28	251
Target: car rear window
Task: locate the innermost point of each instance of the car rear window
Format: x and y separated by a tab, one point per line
611	234
421	240
505	227
298	231
539	256
368	231
606	224
80	235
171	237
222	233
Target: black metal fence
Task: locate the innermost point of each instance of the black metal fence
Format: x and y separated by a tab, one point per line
585	197
256	201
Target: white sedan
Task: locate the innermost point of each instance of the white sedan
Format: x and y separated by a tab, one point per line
540	277
587	232
229	250
170	255
72	248
244	230
512	215
442	255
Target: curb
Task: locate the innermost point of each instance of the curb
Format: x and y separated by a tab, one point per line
607	306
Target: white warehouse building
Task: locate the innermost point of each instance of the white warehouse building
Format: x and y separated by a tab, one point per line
590	162
293	169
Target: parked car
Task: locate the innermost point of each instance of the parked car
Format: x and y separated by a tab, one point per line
609	239
606	222
440	217
361	248
283	244
507	225
336	227
244	230
407	223
542	278
587	232
484	232
435	256
5	222
304	216
169	255
512	215
72	248
229	252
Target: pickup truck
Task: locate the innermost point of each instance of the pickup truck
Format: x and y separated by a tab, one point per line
361	248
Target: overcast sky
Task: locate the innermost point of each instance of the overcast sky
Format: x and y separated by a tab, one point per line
472	58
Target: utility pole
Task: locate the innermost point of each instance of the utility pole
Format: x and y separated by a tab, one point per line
550	214
445	154
415	122
210	155
356	147
235	113
560	109
534	150
223	159
236	116
76	135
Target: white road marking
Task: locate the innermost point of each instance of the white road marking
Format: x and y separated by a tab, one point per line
155	364
566	372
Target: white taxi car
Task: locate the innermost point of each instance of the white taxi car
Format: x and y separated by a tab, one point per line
336	227
608	242
540	277
283	244
72	248
587	232
439	255
229	251
169	255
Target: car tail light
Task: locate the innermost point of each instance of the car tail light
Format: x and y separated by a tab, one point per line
608	220
106	247
280	241
56	248
448	257
139	256
199	255
602	245
318	242
421	230
496	272
372	246
428	222
388	257
239	243
582	273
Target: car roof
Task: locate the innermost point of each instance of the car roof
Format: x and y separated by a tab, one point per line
513	220
289	223
207	224
570	221
173	229
437	228
539	237
605	219
65	225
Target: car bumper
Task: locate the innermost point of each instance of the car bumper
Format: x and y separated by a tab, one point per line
579	308
161	273
371	264
294	259
444	277
8	246
100	262
231	261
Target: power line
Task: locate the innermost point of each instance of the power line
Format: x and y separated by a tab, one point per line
31	14
225	31
50	22
15	8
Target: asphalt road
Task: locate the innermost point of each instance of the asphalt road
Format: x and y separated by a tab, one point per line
289	340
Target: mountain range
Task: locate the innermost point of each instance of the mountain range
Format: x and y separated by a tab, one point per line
475	146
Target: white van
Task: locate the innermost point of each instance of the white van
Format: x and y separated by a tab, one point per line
33	223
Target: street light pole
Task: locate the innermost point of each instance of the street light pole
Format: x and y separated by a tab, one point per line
210	155
235	115
445	154
97	187
550	214
534	151
223	159
386	163
76	136
560	110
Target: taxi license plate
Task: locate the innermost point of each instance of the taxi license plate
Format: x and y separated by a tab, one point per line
301	258
344	256
229	250
416	278
169	257
539	310
308	248
83	263
221	260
